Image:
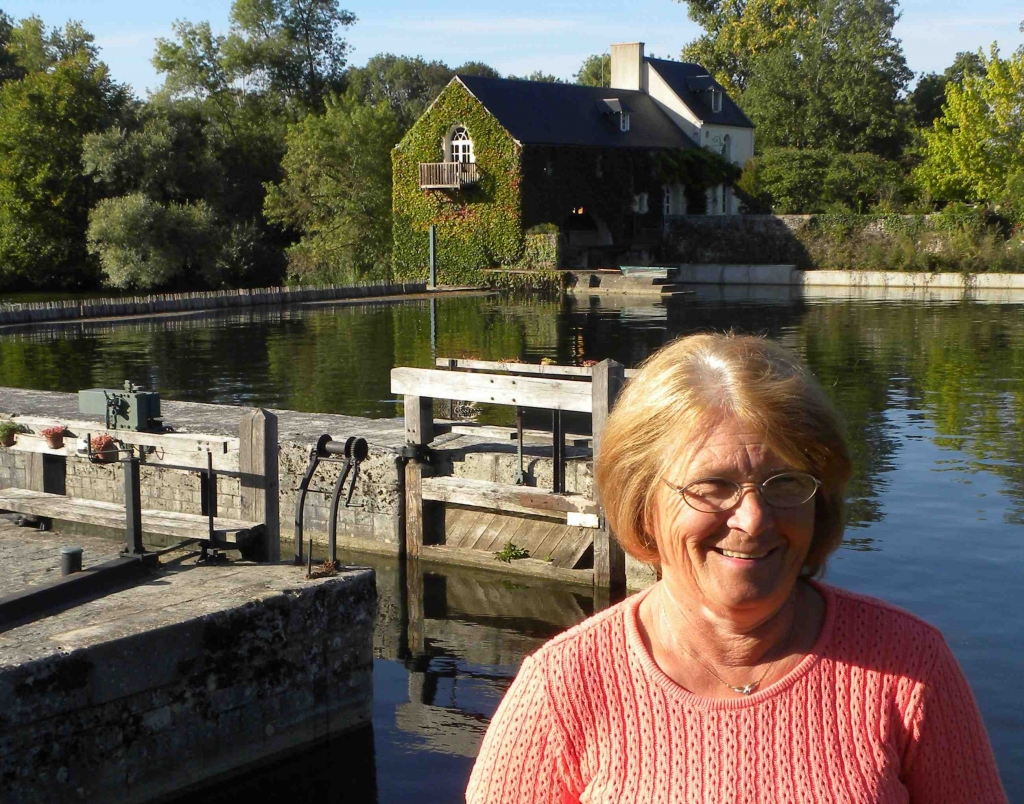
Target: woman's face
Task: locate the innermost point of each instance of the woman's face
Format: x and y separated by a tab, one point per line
740	564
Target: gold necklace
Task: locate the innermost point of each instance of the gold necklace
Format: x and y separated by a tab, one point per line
746	689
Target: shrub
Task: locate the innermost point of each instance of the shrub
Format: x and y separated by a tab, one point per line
144	244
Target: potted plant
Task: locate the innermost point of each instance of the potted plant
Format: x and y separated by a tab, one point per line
104	449
54	436
7	431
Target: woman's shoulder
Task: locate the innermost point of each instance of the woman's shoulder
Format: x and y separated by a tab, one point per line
875	633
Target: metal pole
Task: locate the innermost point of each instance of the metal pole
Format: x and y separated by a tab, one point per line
133	506
433	257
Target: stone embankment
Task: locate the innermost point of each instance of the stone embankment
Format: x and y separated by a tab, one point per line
196	672
77	309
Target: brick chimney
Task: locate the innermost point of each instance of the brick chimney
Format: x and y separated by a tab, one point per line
628	66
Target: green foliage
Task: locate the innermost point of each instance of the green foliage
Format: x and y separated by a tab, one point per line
405	84
337	192
930	93
7	429
596	71
511	552
44	198
960	240
835	84
793	180
9	67
290	51
541	249
539	75
478	226
143	244
974	150
697	168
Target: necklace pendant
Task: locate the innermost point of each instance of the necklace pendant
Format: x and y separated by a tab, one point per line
747	690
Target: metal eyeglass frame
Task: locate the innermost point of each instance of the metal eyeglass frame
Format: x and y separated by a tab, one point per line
681	491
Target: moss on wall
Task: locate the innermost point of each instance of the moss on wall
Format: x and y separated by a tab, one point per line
477	227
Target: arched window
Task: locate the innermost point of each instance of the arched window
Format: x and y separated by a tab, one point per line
461	146
727	148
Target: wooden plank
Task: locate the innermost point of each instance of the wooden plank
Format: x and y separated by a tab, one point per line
529	392
257	463
482	535
513	367
111	515
609	558
175	442
532	437
526	566
501	497
173	453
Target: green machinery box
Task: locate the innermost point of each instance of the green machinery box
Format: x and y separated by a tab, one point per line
129	408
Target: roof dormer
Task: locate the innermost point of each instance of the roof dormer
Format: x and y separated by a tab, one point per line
612	107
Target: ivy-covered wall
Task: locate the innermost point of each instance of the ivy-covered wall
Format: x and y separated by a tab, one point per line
477	227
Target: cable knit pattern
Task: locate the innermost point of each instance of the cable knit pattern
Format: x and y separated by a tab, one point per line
878	713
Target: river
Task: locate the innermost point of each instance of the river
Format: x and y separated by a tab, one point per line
933	396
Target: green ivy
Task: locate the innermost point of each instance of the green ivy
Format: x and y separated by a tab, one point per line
476	227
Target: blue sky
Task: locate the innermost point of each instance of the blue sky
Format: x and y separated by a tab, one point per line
550	35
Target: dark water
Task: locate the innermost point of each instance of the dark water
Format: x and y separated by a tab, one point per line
933	394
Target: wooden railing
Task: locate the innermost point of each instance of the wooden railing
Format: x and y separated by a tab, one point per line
447	175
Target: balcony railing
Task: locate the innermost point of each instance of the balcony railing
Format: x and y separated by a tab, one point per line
447	175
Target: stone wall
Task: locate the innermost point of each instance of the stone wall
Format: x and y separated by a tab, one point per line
204	670
732	239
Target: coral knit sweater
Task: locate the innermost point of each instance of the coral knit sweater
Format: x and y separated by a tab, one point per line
878	713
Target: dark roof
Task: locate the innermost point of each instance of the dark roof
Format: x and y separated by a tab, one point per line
692	84
540	113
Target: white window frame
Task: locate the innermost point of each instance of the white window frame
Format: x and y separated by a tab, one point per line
673	202
640	204
716	100
460	146
624	121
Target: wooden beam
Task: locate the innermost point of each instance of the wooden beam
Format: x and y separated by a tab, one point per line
112	515
513	367
609	559
509	499
528	392
258	465
524	566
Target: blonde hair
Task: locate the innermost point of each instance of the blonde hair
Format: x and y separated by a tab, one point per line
677	398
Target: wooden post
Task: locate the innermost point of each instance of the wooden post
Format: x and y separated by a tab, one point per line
257	463
609	559
419	431
46	472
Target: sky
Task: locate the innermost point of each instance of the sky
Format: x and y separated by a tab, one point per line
515	38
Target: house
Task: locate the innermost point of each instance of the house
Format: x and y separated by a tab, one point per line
493	160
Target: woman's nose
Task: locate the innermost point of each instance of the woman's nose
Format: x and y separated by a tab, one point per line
751	514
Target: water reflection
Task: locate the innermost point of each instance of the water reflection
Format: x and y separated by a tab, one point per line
932	393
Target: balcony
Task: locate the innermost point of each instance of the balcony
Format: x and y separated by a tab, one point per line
447	175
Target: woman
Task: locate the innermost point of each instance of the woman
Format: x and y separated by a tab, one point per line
735	678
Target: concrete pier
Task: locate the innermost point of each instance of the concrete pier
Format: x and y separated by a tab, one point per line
197	672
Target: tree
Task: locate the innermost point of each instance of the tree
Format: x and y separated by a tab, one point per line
143	244
290	51
9	68
407	85
36	50
596	71
478	68
539	75
44	198
835	84
336	192
974	152
930	93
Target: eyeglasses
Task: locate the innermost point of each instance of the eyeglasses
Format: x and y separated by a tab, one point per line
713	495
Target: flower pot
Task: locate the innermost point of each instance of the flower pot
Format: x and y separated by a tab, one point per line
7	440
55	441
109	455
